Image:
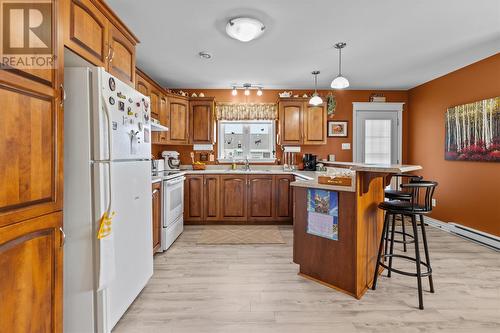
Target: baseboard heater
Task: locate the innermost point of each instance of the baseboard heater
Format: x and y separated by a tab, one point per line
476	236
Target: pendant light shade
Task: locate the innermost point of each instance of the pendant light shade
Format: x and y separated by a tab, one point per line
340	82
315	98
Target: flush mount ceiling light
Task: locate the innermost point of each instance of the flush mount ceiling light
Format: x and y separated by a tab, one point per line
315	99
204	55
340	82
244	29
246	87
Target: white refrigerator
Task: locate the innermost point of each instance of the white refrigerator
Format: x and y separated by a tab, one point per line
107	168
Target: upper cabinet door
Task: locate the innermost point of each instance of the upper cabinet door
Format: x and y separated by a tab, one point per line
290	118
178	116
201	121
154	95
163	119
30	152
141	85
121	61
314	124
86	31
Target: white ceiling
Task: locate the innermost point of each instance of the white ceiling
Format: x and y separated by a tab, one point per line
391	44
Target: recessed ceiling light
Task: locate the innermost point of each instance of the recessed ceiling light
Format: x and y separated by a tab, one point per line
244	29
205	55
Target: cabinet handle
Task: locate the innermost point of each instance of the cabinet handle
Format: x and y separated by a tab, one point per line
63	94
109	53
154	192
112	55
63	236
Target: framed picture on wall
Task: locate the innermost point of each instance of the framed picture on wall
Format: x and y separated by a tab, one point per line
337	128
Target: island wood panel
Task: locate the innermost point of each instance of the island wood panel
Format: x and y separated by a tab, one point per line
290	118
86	31
369	219
233	197
31	149
283	197
314	122
31	275
193	198
156	198
333	262
122	57
260	197
201	121
212	198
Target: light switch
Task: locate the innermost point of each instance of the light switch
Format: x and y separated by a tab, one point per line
346	146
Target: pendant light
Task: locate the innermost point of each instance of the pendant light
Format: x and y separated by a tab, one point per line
340	82
315	98
234	92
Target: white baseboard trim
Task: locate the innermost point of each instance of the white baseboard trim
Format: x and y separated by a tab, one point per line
488	240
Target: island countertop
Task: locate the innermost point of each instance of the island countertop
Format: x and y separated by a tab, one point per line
384	168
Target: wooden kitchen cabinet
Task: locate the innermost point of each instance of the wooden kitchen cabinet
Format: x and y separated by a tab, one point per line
211	198
301	123
178	115
141	83
201	120
154	97
31	273
156	196
163	136
314	123
260	197
283	197
193	198
233	189
92	30
122	57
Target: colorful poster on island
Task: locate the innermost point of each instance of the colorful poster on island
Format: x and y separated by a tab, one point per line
323	213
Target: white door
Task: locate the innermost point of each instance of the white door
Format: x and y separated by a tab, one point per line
377	137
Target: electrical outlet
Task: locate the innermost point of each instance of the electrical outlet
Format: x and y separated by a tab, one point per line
434	202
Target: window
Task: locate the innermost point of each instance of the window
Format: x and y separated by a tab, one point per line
253	140
378	141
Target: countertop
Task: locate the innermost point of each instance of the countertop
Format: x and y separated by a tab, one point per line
385	168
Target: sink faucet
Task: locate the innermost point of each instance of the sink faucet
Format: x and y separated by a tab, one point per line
247	165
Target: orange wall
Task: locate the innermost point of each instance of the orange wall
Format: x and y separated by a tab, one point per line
343	112
468	192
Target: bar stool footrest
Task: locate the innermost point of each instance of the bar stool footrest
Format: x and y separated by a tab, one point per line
428	272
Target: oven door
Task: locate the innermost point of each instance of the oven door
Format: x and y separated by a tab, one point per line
173	200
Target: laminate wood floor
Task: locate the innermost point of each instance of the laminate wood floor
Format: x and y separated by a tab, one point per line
255	288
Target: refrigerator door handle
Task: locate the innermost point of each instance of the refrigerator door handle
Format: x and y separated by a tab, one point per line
110	151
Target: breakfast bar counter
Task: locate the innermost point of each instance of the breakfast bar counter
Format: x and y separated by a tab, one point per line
337	229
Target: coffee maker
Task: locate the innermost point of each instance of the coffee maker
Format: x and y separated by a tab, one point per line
309	161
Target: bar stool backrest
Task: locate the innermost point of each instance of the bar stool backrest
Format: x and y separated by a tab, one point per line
402	176
422	192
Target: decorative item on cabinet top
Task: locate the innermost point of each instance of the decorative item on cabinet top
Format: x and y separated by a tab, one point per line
247	111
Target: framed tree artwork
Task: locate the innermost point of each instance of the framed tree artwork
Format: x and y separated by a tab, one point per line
337	128
473	131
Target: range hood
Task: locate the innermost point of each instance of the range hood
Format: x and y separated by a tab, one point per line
157	127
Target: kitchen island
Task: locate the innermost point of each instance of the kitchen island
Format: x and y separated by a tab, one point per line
337	229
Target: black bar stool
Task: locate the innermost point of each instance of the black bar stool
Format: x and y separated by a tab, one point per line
419	204
403	195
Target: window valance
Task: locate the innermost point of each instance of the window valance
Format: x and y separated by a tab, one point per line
247	111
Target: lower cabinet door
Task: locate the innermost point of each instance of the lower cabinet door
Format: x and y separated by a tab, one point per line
157	215
212	198
193	198
31	274
283	197
233	197
260	197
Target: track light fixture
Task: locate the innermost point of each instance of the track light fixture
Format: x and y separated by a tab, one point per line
247	87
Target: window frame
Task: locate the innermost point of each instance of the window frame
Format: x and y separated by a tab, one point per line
221	141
